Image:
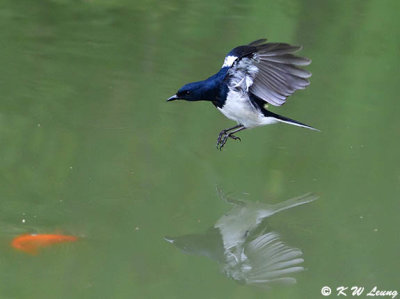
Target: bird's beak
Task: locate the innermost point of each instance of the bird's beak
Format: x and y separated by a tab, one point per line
174	97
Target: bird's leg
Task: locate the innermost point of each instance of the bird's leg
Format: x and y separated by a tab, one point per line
230	135
225	134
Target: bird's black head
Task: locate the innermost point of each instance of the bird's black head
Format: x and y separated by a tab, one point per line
195	91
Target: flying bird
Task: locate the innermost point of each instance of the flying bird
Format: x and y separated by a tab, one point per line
251	77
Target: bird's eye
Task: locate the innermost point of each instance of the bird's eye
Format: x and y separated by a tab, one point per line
187	92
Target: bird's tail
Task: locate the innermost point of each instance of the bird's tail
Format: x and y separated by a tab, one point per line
287	120
293	202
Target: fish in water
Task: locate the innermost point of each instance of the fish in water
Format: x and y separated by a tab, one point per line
31	243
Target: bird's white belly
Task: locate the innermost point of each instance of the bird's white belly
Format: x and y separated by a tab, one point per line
239	108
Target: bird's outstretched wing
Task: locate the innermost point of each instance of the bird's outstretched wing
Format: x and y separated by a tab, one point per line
270	71
264	261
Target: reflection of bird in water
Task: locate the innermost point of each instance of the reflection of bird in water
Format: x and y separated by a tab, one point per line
246	251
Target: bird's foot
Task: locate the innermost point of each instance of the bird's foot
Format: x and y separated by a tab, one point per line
223	138
234	137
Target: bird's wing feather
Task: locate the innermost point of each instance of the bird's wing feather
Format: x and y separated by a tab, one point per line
270	71
272	259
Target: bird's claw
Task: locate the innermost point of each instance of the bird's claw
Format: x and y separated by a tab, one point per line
223	138
234	137
221	134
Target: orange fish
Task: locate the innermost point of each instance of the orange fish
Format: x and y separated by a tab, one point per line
31	243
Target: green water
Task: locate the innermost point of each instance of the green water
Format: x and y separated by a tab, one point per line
90	147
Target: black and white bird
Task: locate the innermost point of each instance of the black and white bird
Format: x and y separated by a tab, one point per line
251	77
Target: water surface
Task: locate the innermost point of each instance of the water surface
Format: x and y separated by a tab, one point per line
90	147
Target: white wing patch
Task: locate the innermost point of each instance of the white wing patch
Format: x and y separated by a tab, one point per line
229	60
243	74
238	106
